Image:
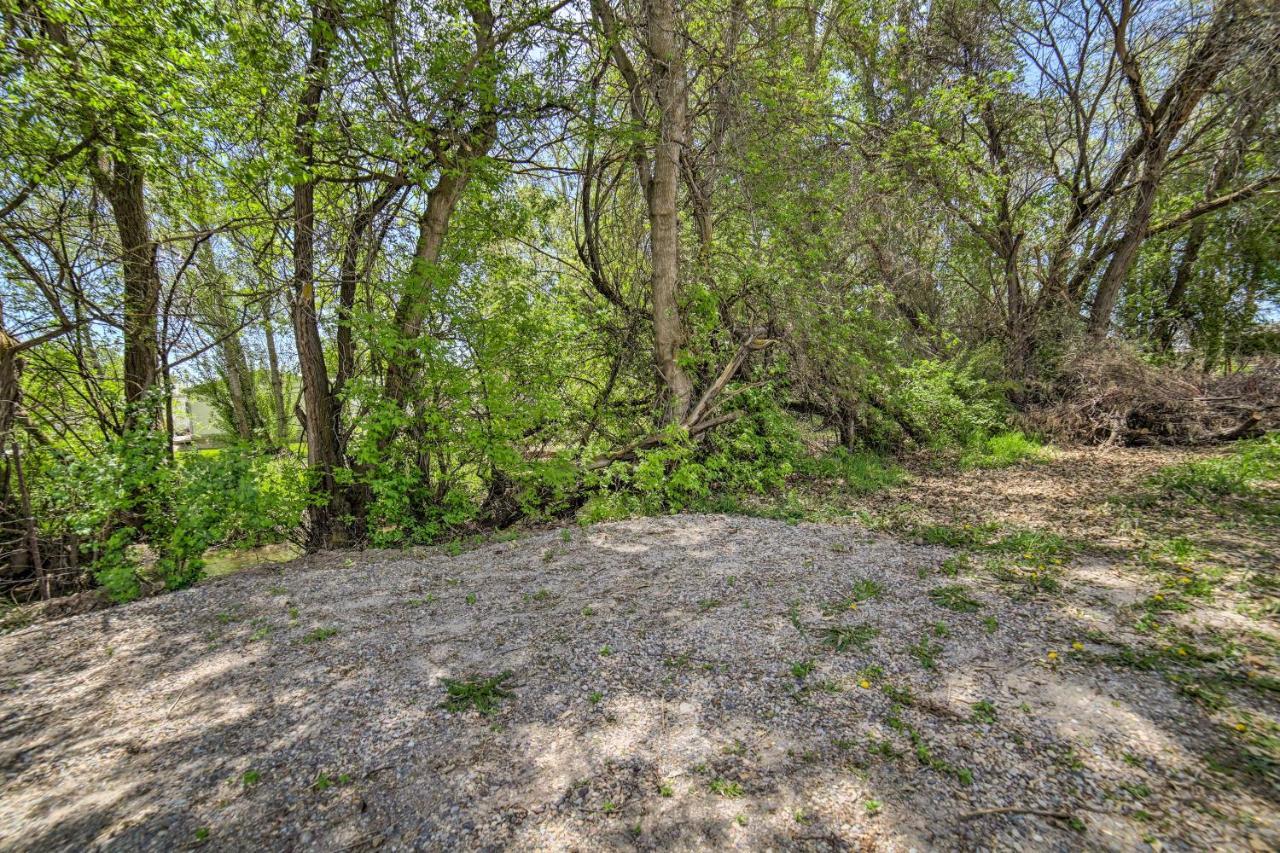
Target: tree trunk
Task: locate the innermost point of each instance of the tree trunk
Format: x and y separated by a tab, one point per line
664	224
236	372
1104	299
123	188
277	382
327	528
411	312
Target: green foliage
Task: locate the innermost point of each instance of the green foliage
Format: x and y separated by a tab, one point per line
950	403
843	638
1002	450
147	518
751	456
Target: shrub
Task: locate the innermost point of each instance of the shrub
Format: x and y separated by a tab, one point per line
949	403
148	518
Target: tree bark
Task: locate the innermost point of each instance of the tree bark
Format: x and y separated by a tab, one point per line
277	382
411	311
327	528
664	225
1161	125
122	182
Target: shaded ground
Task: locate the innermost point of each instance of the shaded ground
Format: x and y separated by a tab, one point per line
686	682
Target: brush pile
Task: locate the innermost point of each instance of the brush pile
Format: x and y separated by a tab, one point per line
1110	396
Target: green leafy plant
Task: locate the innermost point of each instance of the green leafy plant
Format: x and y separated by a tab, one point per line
485	695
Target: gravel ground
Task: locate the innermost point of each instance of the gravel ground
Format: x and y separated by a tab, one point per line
671	687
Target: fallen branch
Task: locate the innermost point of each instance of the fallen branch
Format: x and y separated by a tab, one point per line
629	452
1017	810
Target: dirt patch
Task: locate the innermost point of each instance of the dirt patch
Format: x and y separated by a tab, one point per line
689	682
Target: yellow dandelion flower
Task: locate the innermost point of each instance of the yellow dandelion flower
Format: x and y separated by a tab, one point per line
1157	597
1241	727
1078	646
1182	651
1053	655
864	684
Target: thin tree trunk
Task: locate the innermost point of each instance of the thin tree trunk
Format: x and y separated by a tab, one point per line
664	224
277	382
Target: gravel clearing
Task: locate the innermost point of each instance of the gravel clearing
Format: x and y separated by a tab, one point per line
673	685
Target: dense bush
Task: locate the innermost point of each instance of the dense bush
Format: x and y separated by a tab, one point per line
146	519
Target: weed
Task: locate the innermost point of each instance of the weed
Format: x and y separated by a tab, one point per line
202	833
708	604
318	634
941	629
991	624
956	536
954	597
725	788
871	673
984	711
1136	790
250	778
665	790
874	806
900	695
955	565
865	589
842	639
594	697
482	694
471	598
926	652
680	661
1002	450
802	669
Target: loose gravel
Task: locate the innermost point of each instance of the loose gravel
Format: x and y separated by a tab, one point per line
672	686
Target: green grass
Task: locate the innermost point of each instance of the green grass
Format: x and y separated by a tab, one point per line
926	652
1241	475
802	669
1002	450
858	473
